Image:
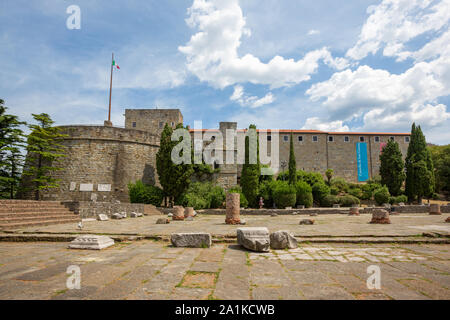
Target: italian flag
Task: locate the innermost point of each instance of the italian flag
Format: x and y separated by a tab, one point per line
116	65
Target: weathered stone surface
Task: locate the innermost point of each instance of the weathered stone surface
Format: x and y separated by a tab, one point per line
435	209
162	221
102	217
170	215
401	204
283	240
243	222
191	240
91	242
380	216
178	213
447	220
116	216
273	215
233	213
124	214
189	219
354	211
313	214
134	215
306	222
188	212
336	205
301	206
255	239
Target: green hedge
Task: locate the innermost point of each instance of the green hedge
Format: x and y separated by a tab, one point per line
304	194
284	194
320	190
348	200
203	195
144	193
381	195
329	200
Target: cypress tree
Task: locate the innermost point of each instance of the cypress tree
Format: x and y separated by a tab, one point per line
292	163
251	172
44	153
419	167
11	158
392	168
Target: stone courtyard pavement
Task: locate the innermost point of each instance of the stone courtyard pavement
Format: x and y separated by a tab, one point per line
326	225
154	270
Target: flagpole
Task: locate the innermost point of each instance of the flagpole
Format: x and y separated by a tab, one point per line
110	88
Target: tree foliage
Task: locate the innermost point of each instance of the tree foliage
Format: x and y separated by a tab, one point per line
419	167
11	158
441	161
44	152
251	172
292	163
392	168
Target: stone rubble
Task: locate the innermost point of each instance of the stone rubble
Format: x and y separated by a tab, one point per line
255	239
306	222
191	240
380	216
91	242
283	240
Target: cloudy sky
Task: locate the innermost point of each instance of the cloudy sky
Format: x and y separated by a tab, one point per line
362	65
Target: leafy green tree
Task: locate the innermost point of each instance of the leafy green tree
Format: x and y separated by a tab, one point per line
44	152
441	161
392	168
174	178
419	167
292	163
11	158
329	174
251	172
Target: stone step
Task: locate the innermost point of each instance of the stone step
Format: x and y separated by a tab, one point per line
34	214
35	211
30	205
37	218
39	223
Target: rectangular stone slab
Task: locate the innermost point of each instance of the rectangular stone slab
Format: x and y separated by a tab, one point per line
255	239
91	242
191	240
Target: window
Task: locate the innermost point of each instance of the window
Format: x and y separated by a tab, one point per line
172	123
377	139
392	138
161	124
407	139
346	139
269	138
134	124
361	139
213	138
286	138
300	138
330	139
216	165
315	138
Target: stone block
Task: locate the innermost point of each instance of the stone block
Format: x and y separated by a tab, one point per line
354	211
273	214
255	239
380	216
188	212
135	215
336	205
306	222
301	206
162	221
117	216
435	209
191	240
233	212
178	213
283	240
189	219
91	242
447	220
102	217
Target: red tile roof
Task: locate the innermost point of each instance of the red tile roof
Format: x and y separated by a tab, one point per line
315	131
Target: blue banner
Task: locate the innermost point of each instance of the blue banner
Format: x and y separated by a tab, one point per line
361	160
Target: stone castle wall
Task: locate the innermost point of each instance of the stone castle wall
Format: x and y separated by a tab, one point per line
101	161
152	120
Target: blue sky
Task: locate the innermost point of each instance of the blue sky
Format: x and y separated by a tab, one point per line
328	65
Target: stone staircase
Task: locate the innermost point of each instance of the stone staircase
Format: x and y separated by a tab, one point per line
24	213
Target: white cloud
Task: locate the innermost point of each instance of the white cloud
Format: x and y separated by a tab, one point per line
330	126
313	32
395	22
212	53
251	101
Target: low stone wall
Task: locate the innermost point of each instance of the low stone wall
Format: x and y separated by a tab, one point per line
344	210
90	209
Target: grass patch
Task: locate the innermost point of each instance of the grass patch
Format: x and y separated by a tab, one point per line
60	292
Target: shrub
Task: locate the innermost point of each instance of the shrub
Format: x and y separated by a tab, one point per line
311	178
319	191
401	198
143	193
203	195
304	194
392	200
340	184
356	192
243	199
284	194
368	190
334	191
348	201
381	195
329	200
265	191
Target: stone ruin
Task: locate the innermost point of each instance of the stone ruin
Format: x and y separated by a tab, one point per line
380	216
233	213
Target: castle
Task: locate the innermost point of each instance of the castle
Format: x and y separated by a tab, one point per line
102	160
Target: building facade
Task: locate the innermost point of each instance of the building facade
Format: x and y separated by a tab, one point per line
102	160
